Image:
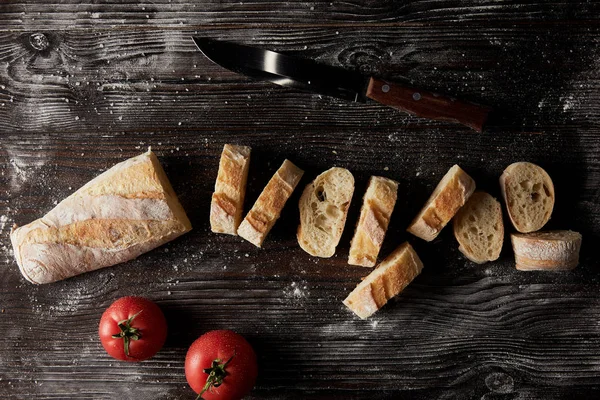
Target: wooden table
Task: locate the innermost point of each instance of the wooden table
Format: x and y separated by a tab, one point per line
84	85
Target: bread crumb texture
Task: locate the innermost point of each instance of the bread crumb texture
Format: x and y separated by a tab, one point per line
323	210
528	193
479	229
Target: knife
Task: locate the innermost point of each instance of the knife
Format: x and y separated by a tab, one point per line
311	76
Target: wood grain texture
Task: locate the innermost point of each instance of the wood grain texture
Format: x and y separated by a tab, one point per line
114	80
76	14
111	82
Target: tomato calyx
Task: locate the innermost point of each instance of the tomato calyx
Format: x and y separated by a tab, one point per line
128	332
216	374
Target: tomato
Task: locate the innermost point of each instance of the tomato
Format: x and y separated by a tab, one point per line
221	365
132	329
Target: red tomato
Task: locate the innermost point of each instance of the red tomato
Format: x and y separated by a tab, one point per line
221	365
132	329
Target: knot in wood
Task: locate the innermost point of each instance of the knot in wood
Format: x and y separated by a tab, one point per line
39	41
500	382
368	59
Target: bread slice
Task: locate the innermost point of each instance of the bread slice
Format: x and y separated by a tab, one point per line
378	203
478	228
267	208
388	279
529	196
550	250
323	209
124	212
449	196
230	188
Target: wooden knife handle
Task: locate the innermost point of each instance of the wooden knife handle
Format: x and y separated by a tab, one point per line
427	104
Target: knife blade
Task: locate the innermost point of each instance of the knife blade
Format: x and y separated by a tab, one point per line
308	75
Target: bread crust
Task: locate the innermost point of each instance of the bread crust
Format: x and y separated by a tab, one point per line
511	200
122	213
230	188
266	210
449	196
387	280
378	204
549	250
489	225
322	220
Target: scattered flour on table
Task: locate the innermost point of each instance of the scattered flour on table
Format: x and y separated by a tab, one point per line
352	326
5	247
3	223
64	301
296	291
569	103
542	103
22	168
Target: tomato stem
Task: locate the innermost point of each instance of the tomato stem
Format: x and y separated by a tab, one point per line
216	374
128	332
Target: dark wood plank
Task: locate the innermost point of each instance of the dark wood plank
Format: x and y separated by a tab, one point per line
27	15
112	82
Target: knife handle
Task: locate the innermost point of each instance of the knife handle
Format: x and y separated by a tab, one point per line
427	104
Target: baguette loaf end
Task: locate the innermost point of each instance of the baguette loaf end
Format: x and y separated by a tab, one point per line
124	212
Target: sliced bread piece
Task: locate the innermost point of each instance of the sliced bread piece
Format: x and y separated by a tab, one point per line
529	196
266	210
550	250
449	196
230	188
323	209
378	203
479	229
388	279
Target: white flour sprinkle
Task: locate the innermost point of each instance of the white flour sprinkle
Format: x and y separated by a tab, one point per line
19	168
3	222
296	291
569	103
22	168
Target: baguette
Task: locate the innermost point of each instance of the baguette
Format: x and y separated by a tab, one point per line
323	210
387	280
449	196
124	212
528	193
378	204
230	188
550	250
266	210
479	229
